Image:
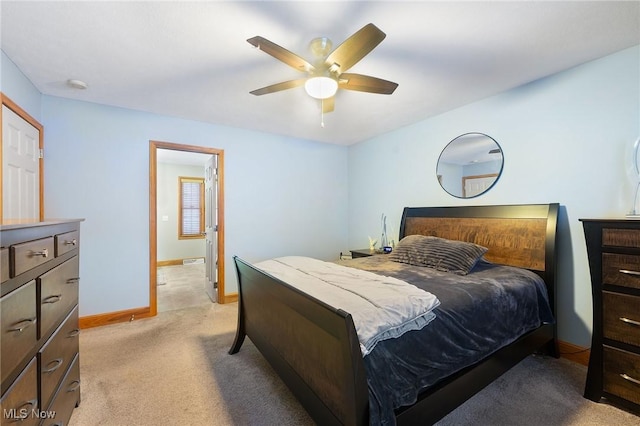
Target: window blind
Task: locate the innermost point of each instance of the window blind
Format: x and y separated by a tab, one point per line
191	208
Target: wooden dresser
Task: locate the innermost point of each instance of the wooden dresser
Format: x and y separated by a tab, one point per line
40	368
613	247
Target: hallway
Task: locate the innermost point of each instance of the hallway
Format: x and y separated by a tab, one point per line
181	286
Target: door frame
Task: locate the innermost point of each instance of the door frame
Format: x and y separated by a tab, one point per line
29	119
153	216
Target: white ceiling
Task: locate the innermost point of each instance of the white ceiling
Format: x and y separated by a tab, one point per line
191	59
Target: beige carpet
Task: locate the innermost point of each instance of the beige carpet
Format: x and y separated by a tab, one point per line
174	369
181	286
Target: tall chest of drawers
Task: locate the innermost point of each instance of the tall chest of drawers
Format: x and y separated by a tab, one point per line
613	248
39	363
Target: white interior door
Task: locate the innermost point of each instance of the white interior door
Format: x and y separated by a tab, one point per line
211	226
20	168
477	185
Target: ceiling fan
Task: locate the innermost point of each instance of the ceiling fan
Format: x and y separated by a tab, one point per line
327	73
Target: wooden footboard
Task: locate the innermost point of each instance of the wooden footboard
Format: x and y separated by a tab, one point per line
312	346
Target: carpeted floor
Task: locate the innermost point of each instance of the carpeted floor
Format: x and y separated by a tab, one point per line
181	286
174	369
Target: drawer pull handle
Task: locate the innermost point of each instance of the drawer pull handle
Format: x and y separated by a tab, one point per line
22	411
57	363
53	299
27	404
73	280
22	325
628	272
630	379
43	253
74	333
71	243
73	386
629	321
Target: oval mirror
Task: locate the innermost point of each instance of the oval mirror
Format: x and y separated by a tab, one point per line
469	165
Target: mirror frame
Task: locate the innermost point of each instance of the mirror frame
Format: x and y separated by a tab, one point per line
451	145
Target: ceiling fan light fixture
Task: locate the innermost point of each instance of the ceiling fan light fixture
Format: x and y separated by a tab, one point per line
321	87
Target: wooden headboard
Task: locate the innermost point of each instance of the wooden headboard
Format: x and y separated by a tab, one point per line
518	235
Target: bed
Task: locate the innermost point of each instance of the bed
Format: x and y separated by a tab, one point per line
314	346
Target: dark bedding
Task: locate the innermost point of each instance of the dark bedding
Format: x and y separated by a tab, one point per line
479	313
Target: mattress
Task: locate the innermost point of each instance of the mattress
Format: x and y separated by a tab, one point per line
479	313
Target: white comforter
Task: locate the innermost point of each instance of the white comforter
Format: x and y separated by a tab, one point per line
381	307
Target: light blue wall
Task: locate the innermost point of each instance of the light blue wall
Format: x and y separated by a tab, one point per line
566	138
282	196
18	88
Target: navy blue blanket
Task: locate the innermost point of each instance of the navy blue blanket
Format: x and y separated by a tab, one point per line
478	314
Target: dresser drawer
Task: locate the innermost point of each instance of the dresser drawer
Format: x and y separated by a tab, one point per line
621	317
56	356
18	337
66	242
19	402
4	264
58	294
621	269
31	254
67	398
622	374
621	237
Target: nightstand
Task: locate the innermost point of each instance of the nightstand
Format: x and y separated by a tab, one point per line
362	253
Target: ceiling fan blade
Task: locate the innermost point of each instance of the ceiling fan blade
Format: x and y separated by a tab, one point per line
365	83
328	104
279	86
281	54
355	47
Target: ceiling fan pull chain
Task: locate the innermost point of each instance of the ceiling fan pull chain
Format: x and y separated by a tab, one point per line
322	113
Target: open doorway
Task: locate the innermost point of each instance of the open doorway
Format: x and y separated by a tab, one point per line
183	217
200	256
